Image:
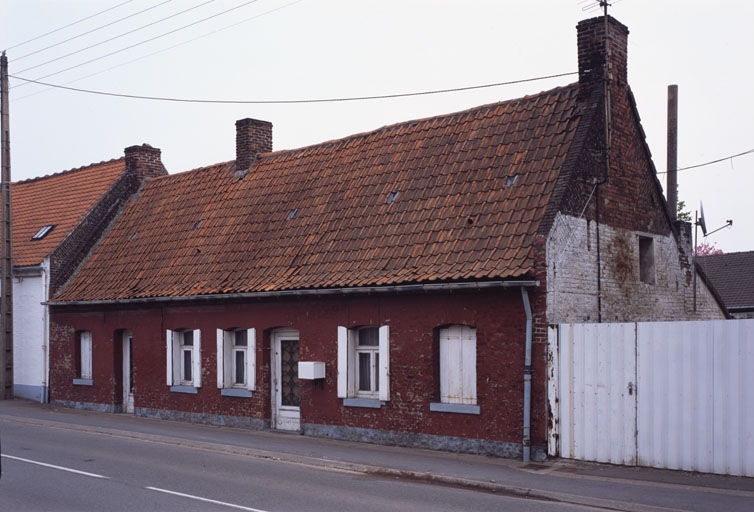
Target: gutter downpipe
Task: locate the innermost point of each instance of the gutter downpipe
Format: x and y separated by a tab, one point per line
527	377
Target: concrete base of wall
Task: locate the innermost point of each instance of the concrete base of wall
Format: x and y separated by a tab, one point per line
88	406
426	441
206	419
27	392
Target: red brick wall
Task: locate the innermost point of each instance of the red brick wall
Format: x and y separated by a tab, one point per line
413	319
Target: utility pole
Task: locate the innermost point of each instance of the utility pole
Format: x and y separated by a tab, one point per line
6	254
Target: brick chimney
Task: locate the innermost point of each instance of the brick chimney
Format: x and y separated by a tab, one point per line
591	44
143	162
252	137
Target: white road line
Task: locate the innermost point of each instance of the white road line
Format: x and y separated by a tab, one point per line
61	468
198	498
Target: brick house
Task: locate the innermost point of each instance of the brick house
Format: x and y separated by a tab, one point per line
393	286
56	221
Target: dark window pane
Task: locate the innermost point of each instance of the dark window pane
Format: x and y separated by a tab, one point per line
241	338
376	371
240	377
188	338
369	337
365	383
187	365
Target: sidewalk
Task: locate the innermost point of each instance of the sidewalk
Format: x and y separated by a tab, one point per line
574	482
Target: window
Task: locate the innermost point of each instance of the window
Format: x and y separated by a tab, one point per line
43	232
457	370
646	260
184	367
363	365
236	361
83	358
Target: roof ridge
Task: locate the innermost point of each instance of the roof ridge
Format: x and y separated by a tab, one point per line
449	115
68	171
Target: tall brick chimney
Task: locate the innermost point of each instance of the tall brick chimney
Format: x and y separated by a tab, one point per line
591	44
252	137
143	161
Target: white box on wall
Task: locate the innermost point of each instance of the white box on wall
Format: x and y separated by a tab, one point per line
311	370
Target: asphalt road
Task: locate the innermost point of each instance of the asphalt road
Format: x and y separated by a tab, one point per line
58	469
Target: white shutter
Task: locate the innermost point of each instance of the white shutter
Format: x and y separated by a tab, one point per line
251	359
197	359
169	356
220	357
449	363
468	358
86	354
384	362
342	362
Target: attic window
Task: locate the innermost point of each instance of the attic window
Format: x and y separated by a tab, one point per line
43	232
511	180
292	214
392	197
197	224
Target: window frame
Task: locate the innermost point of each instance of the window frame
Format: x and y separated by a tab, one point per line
348	350
83	356
176	348
226	350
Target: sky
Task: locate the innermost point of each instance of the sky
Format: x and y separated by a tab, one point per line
296	51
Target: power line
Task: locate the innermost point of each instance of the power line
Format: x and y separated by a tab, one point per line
144	42
711	162
69	25
88	32
206	34
115	37
299	101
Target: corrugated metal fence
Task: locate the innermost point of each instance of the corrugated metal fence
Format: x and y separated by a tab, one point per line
676	395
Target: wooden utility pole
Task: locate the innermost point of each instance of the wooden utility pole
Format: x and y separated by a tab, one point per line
6	254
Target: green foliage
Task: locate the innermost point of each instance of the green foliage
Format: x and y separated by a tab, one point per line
681	214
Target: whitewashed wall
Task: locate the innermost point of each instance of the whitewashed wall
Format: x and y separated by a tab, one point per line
675	395
30	334
572	277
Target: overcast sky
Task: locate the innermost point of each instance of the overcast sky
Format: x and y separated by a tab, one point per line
324	49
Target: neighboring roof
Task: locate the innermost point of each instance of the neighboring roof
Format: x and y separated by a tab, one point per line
451	198
732	276
61	200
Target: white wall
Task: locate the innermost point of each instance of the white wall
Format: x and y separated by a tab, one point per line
30	334
572	277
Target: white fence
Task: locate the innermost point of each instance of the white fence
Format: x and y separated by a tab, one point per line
676	395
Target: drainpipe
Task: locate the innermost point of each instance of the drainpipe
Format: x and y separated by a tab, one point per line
45	337
527	378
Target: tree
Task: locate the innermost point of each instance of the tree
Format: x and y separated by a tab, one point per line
681	214
705	249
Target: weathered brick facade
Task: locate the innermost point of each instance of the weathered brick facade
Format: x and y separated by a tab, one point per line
405	419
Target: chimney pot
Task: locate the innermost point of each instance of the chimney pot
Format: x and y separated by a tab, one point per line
252	137
591	47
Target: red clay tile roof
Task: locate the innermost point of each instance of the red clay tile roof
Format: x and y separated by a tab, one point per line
62	200
732	275
468	191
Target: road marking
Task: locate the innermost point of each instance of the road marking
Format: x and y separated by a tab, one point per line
61	468
207	500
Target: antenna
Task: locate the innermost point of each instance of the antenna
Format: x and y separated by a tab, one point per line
593	5
700	221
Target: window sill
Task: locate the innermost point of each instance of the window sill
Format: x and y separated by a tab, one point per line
83	382
370	403
184	389
454	408
240	393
